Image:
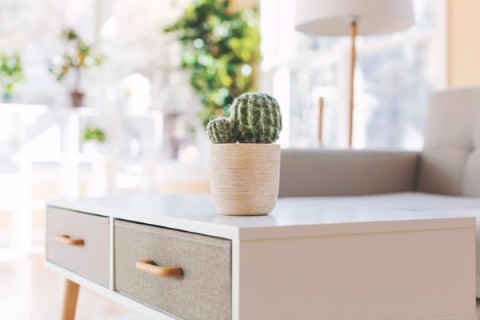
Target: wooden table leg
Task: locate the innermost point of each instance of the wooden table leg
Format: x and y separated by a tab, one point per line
70	300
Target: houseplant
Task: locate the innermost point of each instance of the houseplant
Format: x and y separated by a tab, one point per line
220	48
244	162
78	56
11	75
93	138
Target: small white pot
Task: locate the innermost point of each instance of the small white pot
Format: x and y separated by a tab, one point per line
244	178
92	147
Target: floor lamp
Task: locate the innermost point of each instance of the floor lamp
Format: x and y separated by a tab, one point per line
352	17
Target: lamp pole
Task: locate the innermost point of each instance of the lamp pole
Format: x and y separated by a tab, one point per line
353	35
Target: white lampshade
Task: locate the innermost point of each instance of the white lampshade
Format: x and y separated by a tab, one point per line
331	17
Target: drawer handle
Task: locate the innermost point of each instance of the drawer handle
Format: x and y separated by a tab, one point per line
65	239
148	266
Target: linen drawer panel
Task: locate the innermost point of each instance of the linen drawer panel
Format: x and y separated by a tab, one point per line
79	242
202	292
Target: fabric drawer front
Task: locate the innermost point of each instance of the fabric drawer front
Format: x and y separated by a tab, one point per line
204	289
79	242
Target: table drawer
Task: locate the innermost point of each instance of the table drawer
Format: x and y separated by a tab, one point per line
79	242
203	291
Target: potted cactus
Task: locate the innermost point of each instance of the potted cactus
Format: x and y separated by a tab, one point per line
244	162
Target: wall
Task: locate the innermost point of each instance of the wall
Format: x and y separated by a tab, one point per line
463	42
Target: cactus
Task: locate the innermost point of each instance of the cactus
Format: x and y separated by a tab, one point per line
254	118
220	130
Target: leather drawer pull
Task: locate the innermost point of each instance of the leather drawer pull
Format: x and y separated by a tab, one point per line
65	239
148	266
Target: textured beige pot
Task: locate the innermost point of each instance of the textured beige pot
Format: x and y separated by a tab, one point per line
244	178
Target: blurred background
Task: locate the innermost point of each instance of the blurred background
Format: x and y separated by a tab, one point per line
105	97
112	96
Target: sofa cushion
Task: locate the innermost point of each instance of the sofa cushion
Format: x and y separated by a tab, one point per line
472	170
319	172
450	163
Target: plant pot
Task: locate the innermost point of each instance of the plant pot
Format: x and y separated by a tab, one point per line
92	147
244	178
77	98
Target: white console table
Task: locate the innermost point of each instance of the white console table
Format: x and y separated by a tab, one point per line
173	257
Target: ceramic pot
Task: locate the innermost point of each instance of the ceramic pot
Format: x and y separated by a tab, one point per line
244	178
77	98
92	147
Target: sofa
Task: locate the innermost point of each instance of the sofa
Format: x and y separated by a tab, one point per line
442	178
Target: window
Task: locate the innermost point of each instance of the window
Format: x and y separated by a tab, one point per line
394	78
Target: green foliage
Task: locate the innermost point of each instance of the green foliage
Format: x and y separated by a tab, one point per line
220	48
91	133
254	118
220	130
11	73
78	56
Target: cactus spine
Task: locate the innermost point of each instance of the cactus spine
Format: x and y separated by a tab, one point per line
220	130
254	118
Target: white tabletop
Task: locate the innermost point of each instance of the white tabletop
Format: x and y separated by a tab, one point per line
292	217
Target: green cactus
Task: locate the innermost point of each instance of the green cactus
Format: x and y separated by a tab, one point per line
220	130
255	118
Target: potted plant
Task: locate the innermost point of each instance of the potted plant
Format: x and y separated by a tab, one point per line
11	75
244	161
78	56
92	137
220	48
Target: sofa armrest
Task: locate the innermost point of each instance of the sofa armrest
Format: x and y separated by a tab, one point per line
307	173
